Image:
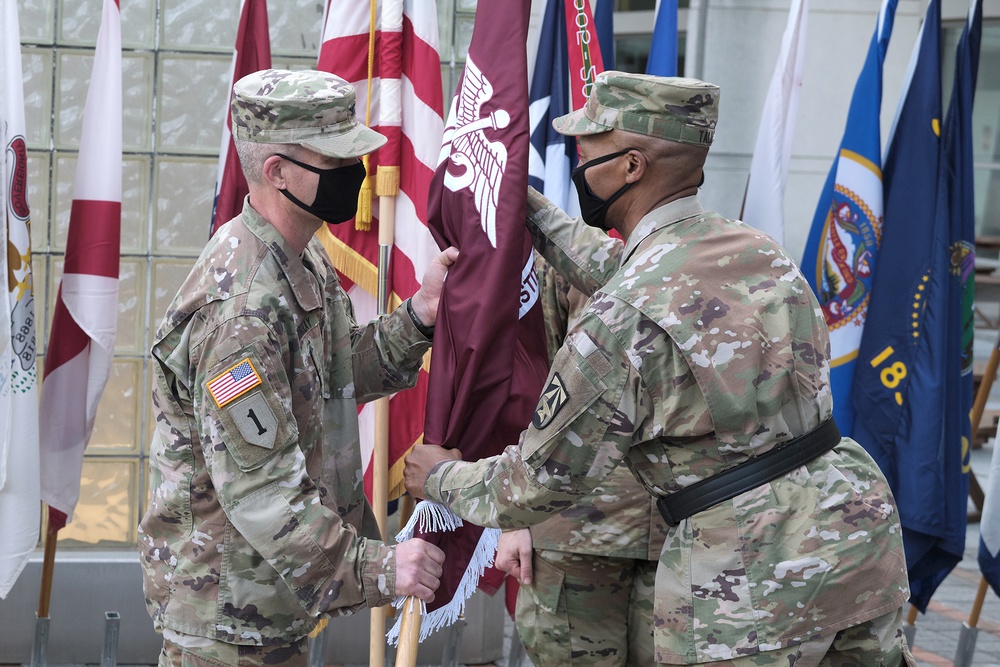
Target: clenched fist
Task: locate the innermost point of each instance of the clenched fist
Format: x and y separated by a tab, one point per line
418	569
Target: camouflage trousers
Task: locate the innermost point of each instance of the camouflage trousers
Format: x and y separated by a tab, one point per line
201	652
875	643
587	610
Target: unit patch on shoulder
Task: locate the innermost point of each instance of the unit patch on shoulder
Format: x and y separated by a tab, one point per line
233	383
553	398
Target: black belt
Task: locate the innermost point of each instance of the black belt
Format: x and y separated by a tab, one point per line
749	475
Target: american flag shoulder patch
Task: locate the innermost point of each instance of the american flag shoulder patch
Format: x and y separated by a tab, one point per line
234	382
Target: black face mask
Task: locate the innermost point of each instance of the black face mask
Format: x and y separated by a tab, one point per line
336	193
593	208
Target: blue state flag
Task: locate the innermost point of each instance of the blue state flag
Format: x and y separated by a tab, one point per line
843	242
663	51
552	154
958	176
907	385
604	21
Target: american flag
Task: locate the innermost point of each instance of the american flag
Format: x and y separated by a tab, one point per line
235	382
408	107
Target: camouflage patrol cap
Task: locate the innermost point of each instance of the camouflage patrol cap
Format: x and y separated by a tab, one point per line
306	107
673	108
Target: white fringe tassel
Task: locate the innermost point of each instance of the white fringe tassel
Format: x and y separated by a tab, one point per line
436	518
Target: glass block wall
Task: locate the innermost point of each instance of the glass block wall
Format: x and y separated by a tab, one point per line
176	55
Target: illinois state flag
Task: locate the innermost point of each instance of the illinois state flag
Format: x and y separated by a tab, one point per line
19	506
489	361
407	106
252	53
843	242
82	340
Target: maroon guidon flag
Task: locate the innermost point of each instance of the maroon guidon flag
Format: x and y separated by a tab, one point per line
252	54
489	362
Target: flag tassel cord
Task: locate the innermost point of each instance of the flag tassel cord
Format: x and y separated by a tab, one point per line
432	517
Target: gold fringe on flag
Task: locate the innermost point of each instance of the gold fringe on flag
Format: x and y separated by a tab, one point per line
363	218
387	184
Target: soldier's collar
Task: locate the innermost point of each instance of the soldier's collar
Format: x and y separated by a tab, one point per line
305	285
660	217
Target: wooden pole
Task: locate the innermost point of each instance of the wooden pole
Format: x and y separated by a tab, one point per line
406	506
989	375
380	493
977	606
977	414
48	569
409	633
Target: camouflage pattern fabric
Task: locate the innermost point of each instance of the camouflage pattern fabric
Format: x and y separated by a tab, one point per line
258	523
619	518
587	610
707	347
875	643
673	108
306	107
217	654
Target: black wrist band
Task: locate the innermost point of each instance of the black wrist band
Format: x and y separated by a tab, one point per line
427	331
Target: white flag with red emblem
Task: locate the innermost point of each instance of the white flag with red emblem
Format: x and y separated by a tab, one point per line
19	508
252	54
82	340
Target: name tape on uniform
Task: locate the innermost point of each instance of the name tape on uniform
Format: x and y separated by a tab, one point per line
234	382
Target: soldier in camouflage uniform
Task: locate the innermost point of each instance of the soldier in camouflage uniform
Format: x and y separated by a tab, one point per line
258	525
703	353
587	572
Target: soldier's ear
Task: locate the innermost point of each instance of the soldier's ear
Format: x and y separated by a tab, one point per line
273	172
636	166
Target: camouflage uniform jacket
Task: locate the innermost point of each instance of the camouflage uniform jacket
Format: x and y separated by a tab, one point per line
258	523
705	348
618	519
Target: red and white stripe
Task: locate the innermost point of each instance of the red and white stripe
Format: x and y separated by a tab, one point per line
252	53
407	107
19	484
82	340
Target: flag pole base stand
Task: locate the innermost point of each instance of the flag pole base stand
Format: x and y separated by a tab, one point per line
112	622
449	657
315	648
910	633
41	645
966	646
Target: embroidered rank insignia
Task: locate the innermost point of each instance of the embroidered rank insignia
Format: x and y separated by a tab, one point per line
553	398
235	382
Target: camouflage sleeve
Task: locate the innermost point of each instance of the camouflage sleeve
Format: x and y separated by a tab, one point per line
242	399
582	429
587	257
388	352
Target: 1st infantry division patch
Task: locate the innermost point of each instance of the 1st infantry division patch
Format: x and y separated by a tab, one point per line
553	398
233	383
